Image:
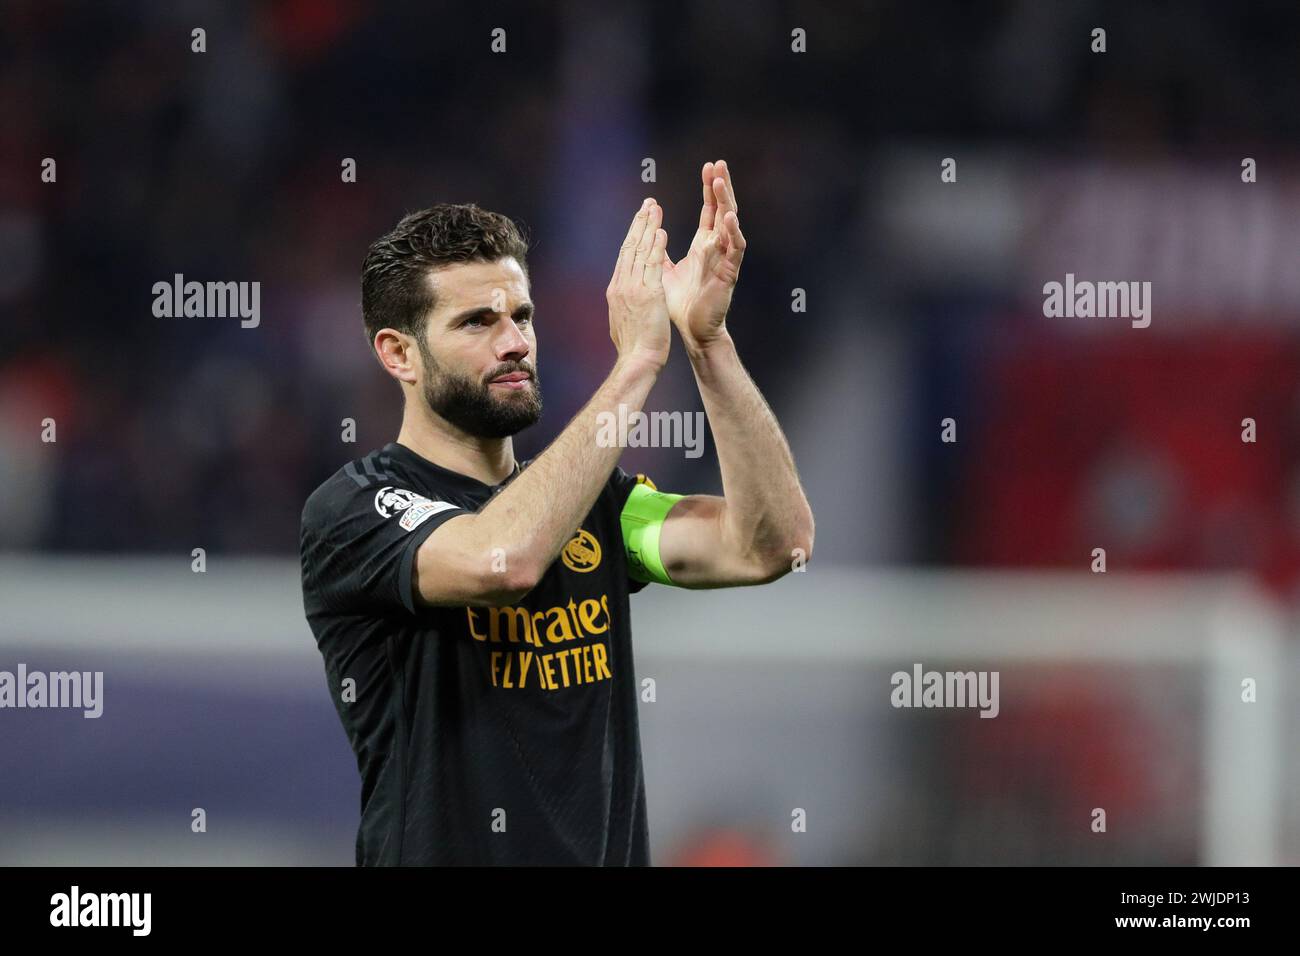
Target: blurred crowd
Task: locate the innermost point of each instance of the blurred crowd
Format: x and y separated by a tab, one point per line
226	165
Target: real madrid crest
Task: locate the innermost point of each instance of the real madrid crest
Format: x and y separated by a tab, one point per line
582	553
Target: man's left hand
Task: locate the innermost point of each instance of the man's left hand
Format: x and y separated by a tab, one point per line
699	286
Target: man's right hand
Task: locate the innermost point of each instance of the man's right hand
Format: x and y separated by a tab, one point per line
638	308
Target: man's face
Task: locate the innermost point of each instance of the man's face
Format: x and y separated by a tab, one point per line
479	349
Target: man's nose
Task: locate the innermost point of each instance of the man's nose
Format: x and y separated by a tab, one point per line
512	341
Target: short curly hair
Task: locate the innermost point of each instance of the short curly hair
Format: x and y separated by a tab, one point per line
395	293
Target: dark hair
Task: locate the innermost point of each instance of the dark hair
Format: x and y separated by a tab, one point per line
395	291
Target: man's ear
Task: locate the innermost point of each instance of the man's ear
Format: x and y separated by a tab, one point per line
398	353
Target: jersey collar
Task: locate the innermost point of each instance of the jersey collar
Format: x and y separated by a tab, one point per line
454	478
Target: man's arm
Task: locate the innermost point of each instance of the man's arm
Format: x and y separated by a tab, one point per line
533	517
751	534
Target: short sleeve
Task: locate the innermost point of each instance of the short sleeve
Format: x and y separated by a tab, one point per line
358	545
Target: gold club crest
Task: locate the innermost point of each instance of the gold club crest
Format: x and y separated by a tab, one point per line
582	553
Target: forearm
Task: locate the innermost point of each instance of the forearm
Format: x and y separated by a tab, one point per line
767	513
533	517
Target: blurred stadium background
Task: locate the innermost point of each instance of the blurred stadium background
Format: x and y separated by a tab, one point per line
1118	690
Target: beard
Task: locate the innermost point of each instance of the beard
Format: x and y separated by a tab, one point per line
472	407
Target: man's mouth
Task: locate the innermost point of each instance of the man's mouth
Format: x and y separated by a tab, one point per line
512	380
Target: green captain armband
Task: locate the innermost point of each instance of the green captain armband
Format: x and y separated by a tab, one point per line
642	518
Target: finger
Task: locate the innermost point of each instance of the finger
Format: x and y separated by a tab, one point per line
647	241
627	250
721	168
654	264
735	239
710	204
723	200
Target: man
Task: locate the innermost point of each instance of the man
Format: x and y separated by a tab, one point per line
473	613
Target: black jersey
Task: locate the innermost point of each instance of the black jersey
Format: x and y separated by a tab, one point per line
502	735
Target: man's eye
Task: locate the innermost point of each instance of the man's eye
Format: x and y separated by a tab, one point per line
524	320
473	319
